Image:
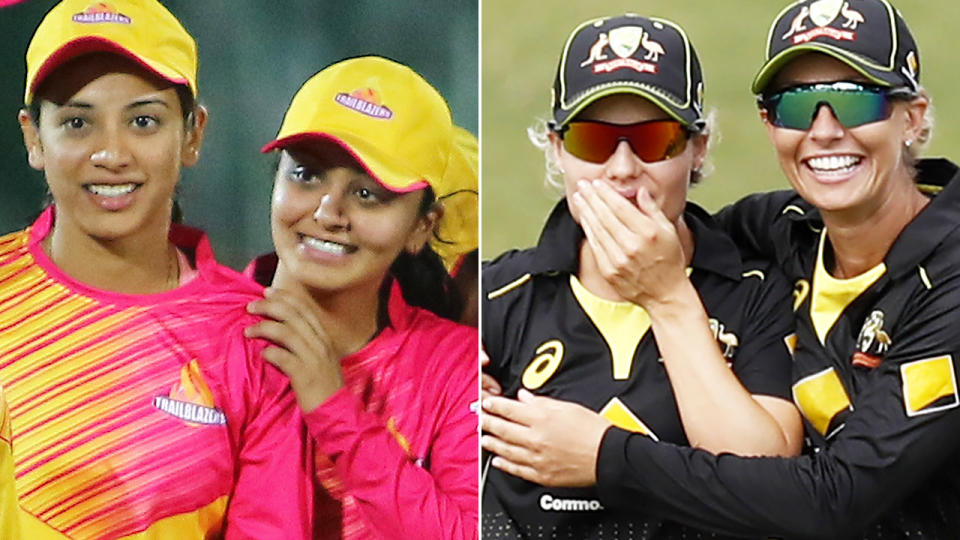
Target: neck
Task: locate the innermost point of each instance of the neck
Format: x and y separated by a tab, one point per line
591	278
861	239
143	263
349	317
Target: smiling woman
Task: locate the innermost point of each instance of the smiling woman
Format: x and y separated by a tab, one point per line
373	175
137	408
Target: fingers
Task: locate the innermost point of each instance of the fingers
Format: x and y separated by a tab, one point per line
286	306
489	385
510	410
285	361
522	471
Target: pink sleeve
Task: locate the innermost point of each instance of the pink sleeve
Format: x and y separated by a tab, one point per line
398	497
273	493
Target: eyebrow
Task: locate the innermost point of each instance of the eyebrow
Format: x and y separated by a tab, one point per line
134	105
143	102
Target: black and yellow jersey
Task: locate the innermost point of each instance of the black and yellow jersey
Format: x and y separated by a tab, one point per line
545	332
875	378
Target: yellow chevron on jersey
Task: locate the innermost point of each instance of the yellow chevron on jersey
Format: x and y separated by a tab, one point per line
821	398
929	385
622	417
622	325
831	295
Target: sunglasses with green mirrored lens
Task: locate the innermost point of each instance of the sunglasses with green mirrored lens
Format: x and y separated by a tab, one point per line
853	104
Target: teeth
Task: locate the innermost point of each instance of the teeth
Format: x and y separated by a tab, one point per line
323	245
111	190
833	163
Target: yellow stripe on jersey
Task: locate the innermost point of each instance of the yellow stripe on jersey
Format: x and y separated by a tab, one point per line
203	523
622	417
820	398
831	295
929	385
8	495
622	325
508	287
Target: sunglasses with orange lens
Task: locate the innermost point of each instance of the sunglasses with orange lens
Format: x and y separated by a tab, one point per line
595	141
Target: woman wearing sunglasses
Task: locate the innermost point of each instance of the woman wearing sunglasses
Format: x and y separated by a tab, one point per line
870	239
629	136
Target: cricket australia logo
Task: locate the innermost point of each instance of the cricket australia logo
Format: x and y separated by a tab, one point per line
191	400
822	14
623	42
728	340
872	343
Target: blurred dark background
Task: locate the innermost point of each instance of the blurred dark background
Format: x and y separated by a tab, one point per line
254	55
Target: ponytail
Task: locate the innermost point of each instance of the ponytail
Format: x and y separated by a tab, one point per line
424	280
425	283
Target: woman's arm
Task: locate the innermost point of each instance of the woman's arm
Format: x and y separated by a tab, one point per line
638	251
400	494
893	450
272	460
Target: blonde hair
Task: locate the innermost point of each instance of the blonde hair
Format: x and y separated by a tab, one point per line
539	135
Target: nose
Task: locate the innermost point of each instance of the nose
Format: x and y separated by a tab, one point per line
330	212
112	152
825	126
623	164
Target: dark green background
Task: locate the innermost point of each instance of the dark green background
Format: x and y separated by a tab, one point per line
254	55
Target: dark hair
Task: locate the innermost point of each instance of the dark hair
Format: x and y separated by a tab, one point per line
423	279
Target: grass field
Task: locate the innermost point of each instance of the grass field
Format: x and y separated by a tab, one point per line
521	40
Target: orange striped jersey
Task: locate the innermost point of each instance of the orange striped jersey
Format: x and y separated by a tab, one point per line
142	416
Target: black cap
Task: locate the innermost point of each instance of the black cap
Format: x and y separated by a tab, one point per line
870	36
649	57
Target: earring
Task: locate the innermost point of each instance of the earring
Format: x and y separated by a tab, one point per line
908	143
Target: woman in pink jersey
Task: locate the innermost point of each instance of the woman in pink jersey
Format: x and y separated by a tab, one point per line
137	408
371	171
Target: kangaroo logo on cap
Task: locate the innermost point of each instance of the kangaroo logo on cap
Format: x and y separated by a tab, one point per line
624	42
100	12
823	13
364	101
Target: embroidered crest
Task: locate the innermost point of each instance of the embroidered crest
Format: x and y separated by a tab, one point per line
822	14
872	342
625	42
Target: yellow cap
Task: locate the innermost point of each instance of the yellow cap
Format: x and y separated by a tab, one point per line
142	30
391	120
399	129
459	231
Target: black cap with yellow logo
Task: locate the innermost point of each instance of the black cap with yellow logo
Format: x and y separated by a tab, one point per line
630	54
868	35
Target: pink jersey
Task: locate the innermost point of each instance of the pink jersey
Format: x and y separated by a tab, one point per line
143	416
397	447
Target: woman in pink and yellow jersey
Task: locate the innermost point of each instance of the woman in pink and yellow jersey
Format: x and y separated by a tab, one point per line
137	408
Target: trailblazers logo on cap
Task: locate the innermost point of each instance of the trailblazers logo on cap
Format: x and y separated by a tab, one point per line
872	343
190	399
100	12
624	42
822	14
364	101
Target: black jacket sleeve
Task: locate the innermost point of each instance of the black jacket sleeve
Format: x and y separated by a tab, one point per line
894	441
